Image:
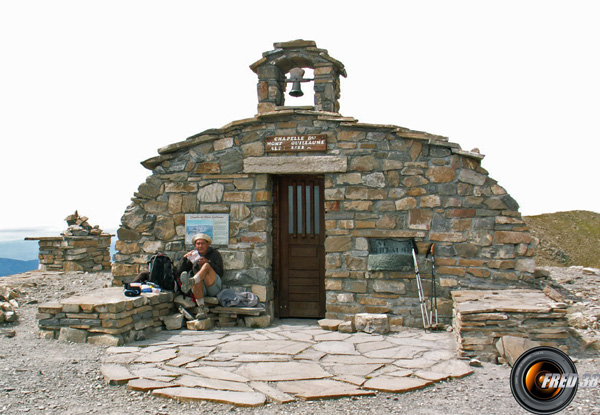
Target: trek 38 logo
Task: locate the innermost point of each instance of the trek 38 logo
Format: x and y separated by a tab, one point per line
544	380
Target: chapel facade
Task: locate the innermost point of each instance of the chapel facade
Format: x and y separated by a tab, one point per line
314	211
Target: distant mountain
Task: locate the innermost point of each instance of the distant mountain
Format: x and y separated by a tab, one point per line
21	250
14	266
21	256
27	250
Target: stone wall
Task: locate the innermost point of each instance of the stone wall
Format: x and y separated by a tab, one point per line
104	316
74	253
80	248
482	318
382	181
405	184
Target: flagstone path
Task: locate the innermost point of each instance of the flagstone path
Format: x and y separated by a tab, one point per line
294	359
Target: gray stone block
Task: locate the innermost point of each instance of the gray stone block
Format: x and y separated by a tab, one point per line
372	323
68	334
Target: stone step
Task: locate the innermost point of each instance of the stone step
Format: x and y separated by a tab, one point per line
246	399
246	311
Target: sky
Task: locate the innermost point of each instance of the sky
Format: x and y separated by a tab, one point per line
89	89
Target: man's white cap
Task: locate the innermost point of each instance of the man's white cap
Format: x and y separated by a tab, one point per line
201	236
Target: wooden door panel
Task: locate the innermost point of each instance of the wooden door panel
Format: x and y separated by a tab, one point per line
313	282
301	252
313	274
300	290
297	285
305	297
304	309
303	263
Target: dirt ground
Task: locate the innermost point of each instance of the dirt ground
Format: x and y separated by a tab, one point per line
48	377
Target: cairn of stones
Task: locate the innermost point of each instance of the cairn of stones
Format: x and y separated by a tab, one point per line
8	305
82	247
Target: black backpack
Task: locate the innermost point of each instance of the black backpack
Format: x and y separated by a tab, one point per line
160	268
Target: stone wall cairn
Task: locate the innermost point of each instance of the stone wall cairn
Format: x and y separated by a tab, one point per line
81	247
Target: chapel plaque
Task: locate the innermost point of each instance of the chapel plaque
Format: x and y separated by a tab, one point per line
215	225
390	255
294	143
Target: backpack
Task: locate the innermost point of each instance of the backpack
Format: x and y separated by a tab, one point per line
229	298
160	268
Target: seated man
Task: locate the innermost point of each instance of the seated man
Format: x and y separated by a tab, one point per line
200	270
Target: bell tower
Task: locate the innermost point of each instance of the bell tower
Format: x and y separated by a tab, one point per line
283	65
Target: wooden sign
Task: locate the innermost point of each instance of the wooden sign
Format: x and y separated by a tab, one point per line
282	143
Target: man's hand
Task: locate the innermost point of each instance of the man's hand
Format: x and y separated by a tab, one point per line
193	256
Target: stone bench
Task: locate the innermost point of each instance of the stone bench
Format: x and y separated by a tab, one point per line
482	318
104	316
254	317
107	316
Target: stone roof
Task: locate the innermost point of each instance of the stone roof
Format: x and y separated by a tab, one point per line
169	151
298	53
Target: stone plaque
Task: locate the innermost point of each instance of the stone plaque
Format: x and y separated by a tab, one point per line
390	255
282	143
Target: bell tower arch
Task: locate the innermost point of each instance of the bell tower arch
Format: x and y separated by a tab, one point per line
273	71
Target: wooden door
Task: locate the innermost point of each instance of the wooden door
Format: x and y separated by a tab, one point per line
300	247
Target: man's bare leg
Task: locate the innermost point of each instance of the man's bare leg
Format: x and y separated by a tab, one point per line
205	277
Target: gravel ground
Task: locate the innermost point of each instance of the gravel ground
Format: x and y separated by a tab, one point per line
47	377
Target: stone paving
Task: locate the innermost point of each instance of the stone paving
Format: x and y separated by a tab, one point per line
291	360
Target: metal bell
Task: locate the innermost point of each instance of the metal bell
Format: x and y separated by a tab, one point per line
296	77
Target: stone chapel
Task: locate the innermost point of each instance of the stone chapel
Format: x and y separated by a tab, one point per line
313	211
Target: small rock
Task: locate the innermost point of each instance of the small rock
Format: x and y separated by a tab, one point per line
8	333
553	294
577	320
347	327
185	302
174	321
511	347
116	375
68	334
541	273
210	301
257	322
372	323
10	316
106	340
475	363
330	324
203	324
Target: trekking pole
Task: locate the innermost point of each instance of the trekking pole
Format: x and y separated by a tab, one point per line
434	307
422	300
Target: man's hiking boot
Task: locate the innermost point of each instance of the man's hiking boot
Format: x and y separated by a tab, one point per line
202	314
186	282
